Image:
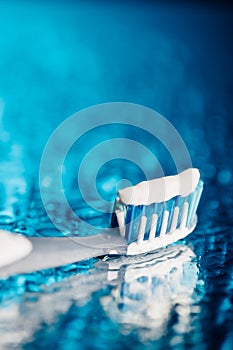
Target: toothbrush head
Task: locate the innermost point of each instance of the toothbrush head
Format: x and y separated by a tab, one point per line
159	212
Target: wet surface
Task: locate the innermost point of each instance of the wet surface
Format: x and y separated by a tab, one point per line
175	59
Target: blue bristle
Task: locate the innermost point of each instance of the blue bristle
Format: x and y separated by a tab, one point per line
128	221
159	212
191	203
150	210
179	201
194	203
133	216
191	207
170	205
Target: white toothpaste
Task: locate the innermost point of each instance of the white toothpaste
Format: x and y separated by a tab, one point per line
161	189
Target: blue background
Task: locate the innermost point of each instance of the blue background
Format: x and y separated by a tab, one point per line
59	57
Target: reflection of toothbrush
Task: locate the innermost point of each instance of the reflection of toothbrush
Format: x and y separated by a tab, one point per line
150	215
153	286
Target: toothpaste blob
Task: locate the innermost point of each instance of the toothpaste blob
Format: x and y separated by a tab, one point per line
161	189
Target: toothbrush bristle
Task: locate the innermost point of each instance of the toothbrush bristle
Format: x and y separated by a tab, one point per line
148	222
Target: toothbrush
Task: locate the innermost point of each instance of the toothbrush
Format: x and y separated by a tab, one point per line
148	216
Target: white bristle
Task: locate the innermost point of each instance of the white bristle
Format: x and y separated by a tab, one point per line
142	229
174	219
121	221
153	225
184	215
164	223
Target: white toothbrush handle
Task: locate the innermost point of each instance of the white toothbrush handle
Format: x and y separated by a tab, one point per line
51	252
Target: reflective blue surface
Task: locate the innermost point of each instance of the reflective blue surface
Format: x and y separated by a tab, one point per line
59	57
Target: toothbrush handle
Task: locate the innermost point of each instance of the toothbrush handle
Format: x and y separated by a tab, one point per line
56	251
